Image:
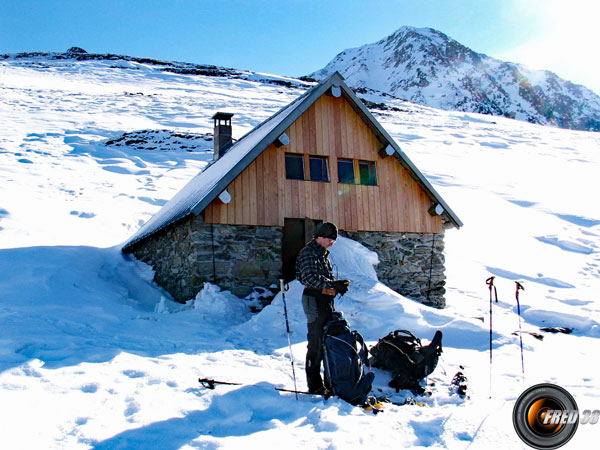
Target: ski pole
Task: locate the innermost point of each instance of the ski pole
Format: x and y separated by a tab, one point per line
519	288
287	325
490	283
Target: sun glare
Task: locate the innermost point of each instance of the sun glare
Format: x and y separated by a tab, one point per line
567	43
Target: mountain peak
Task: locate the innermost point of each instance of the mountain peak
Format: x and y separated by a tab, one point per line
425	66
414	31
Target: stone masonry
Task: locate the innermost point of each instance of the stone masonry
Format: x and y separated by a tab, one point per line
191	252
412	264
240	257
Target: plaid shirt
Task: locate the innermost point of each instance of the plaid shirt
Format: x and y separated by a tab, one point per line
313	268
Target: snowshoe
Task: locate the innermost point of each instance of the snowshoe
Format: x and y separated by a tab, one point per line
412	401
459	384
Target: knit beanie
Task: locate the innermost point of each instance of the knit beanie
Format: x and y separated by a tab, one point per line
326	230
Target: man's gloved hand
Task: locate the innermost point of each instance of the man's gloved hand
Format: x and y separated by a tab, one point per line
341	286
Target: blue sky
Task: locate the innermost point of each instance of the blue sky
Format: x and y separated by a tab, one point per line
296	37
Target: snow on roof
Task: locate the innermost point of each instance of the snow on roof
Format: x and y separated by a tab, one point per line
195	195
214	179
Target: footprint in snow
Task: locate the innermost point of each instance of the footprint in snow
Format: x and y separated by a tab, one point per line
81	421
134	373
83	215
498	145
34	137
89	388
153	201
132	407
428	432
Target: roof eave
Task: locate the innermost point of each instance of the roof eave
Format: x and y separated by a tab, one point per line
310	97
383	135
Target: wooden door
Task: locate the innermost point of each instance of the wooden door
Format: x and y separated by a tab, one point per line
296	234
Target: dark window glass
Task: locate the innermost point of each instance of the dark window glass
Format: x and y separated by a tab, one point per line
294	166
346	171
368	173
319	170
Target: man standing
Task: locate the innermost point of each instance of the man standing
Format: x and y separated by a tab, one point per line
314	271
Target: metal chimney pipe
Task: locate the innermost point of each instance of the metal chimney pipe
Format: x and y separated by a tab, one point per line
222	133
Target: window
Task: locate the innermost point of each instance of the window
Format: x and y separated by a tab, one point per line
368	173
346	171
319	169
294	166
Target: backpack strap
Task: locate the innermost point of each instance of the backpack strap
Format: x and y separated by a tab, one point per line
398	350
364	351
358	337
327	369
345	343
408	333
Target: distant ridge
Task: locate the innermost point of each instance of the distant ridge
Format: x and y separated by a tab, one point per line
182	68
79	54
424	66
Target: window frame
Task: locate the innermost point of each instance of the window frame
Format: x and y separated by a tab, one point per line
327	170
353	162
296	156
372	164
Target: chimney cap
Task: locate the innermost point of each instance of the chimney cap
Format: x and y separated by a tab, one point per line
222	115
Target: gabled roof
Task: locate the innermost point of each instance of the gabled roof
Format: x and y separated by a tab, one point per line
214	179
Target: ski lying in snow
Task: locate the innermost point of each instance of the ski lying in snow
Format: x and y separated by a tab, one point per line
209	383
372	404
302	392
538	336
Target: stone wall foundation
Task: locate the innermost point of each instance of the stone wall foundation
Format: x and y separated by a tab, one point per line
238	258
411	264
188	254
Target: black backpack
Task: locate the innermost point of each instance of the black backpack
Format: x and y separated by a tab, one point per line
401	353
345	357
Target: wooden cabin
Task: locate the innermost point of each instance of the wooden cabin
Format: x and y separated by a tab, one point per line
241	222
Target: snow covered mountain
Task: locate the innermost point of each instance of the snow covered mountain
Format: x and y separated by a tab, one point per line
94	355
424	66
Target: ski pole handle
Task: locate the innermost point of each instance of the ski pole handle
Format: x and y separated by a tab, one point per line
490	283
519	288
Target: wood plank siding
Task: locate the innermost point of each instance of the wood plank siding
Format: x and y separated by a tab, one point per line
261	194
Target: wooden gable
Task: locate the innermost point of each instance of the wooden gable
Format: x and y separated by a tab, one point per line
261	194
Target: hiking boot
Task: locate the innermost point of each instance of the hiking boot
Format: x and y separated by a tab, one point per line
372	404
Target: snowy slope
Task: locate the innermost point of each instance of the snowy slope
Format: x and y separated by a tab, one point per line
427	67
94	355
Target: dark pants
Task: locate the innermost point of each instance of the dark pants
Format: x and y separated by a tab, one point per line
318	309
